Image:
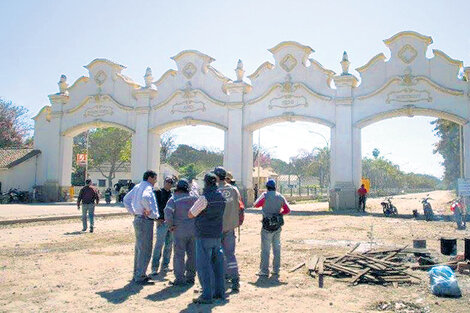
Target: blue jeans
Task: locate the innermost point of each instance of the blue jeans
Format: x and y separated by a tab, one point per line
143	246
184	246
267	239
90	208
210	267
164	240
230	261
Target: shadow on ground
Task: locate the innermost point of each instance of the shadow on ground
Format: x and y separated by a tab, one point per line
168	293
120	295
265	282
73	233
437	218
203	308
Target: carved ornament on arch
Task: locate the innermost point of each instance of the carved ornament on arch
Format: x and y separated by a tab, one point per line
407	54
100	78
288	63
189	70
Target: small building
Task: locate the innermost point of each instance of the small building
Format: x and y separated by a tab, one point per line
124	174
264	174
18	169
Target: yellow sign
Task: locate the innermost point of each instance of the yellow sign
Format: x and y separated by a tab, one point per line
366	183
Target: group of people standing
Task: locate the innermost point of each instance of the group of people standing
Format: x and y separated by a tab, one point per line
200	229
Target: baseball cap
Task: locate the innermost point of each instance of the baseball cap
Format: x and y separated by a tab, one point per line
220	172
271	183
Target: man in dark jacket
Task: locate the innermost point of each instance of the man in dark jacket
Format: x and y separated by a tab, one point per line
164	237
209	212
88	196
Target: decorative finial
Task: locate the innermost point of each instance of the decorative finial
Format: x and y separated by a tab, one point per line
345	64
148	77
239	71
63	85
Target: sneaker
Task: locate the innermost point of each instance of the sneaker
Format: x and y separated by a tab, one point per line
201	300
236	285
262	274
144	282
178	283
84	229
91	229
190	281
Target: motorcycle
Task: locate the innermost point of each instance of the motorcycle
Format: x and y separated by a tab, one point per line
13	195
427	209
458	208
388	208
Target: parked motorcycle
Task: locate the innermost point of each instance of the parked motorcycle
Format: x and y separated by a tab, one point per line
427	209
459	210
13	195
388	208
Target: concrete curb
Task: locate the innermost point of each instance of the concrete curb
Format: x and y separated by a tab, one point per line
56	218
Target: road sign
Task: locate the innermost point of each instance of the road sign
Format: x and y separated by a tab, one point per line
82	159
463	186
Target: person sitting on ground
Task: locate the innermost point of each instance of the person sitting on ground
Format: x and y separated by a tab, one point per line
274	206
183	229
209	212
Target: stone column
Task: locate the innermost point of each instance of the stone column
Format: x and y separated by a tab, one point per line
142	155
153	158
66	150
345	146
238	152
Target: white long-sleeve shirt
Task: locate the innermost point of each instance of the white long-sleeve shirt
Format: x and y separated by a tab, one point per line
141	198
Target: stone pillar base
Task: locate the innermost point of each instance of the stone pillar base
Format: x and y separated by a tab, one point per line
343	196
247	196
51	191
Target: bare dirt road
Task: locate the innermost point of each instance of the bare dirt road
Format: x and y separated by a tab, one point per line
52	267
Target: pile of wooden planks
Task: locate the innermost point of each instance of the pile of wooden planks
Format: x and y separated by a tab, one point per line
377	266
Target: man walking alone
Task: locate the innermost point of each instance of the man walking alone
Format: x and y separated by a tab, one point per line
88	196
141	203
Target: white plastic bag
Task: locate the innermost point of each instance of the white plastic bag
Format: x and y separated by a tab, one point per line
444	282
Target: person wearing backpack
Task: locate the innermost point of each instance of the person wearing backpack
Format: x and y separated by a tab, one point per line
274	207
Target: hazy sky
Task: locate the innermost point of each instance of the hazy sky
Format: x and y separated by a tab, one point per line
43	39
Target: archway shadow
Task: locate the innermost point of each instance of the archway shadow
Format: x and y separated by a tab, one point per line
267	282
437	217
168	293
120	295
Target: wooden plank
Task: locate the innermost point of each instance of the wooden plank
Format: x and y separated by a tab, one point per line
296	267
341	258
312	263
321	262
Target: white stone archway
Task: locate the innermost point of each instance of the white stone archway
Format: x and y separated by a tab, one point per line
294	87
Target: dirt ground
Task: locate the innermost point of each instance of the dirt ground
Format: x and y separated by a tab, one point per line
54	267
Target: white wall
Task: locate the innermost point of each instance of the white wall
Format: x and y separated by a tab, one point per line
22	176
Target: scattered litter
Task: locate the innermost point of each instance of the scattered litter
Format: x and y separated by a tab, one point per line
444	282
400	307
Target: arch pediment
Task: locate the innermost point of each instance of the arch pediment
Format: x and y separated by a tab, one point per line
408	52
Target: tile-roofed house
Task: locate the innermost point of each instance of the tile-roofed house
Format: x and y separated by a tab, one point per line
18	168
14	156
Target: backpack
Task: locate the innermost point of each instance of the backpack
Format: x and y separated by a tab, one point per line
273	223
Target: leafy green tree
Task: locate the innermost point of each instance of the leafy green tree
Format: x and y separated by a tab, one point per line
78	172
201	158
190	171
14	127
167	146
375	153
449	147
109	149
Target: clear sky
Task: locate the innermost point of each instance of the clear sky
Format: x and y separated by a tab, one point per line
43	39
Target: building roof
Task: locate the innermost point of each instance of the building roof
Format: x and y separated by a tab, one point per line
264	172
14	156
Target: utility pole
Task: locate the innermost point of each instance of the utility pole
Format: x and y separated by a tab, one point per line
461	149
86	163
259	152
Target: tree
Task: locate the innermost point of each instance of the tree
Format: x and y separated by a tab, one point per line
449	147
376	153
320	165
13	125
262	155
190	171
201	158
78	171
109	149
167	146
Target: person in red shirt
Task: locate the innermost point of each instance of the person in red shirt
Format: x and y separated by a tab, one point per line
362	192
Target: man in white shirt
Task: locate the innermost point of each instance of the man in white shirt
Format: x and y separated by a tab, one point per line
141	203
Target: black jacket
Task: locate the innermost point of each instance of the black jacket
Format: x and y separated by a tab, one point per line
162	198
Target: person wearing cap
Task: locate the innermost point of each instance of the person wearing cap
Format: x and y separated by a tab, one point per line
176	217
231	221
164	237
273	204
208	211
141	203
88	196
